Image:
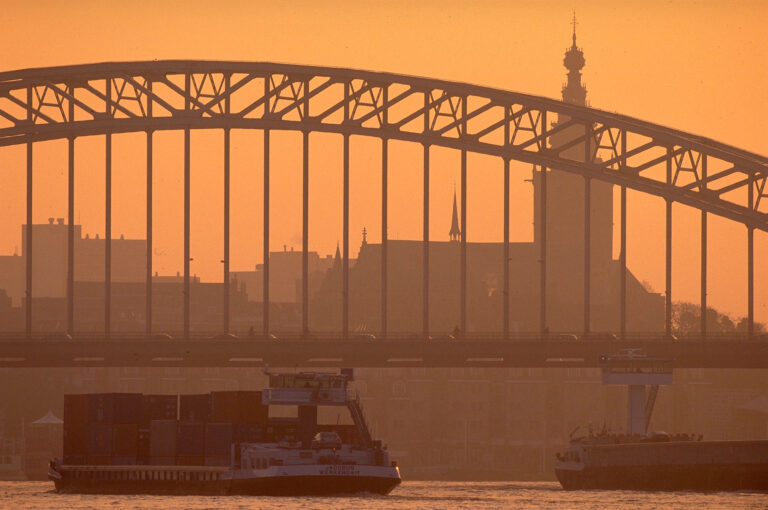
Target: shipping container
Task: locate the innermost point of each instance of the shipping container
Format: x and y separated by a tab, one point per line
127	408
125	440
218	460
100	407
195	407
251	410
225	407
99	439
142	446
162	439
279	429
75	460
124	461
190	460
190	438
158	407
248	433
98	460
75	440
218	439
162	461
76	409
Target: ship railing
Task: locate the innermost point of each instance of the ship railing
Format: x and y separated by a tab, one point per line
358	416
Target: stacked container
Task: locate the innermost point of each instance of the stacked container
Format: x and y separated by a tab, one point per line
218	444
158	407
142	446
75	427
279	429
235	417
126	415
190	443
193	430
195	407
162	442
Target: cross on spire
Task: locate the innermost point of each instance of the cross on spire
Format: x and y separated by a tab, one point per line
574	22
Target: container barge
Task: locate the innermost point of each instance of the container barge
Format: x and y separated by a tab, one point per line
639	460
659	462
222	443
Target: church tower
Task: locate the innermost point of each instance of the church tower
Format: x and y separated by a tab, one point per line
565	214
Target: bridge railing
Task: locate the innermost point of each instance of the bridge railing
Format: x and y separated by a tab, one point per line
565	336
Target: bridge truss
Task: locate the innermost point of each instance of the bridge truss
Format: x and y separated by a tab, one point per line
109	98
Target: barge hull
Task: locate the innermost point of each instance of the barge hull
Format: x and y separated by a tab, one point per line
145	480
694	477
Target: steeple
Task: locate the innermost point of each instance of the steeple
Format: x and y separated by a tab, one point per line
455	233
337	259
574	92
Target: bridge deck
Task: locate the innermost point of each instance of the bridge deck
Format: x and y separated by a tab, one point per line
133	352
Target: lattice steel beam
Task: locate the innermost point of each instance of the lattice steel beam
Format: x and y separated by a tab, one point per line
67	102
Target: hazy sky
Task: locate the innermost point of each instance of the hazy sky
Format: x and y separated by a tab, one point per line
698	66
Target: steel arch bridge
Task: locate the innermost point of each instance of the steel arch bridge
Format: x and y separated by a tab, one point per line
103	99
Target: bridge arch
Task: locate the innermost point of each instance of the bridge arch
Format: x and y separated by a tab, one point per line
72	101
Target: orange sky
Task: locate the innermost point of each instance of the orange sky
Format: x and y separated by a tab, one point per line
697	66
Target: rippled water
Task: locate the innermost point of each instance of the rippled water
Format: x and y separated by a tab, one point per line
410	496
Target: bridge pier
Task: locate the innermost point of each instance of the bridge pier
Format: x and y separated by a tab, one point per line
750	261
463	248
149	232
587	252
384	226
703	281
668	249
543	329
265	271
305	234
623	265
71	232
345	242
506	251
108	235
636	409
225	261
463	226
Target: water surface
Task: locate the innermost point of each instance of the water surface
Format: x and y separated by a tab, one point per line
409	496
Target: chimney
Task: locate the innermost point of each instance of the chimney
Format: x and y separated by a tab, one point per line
60	221
50	221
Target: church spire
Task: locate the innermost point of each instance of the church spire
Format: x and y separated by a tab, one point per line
455	233
337	258
574	92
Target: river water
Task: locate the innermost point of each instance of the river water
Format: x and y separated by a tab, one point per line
409	496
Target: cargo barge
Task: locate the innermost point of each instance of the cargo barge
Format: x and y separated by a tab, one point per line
222	443
656	461
663	463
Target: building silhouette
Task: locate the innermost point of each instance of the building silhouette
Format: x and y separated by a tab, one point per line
458	422
485	263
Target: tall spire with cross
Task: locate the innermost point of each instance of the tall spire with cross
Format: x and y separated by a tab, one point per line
574	23
574	92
